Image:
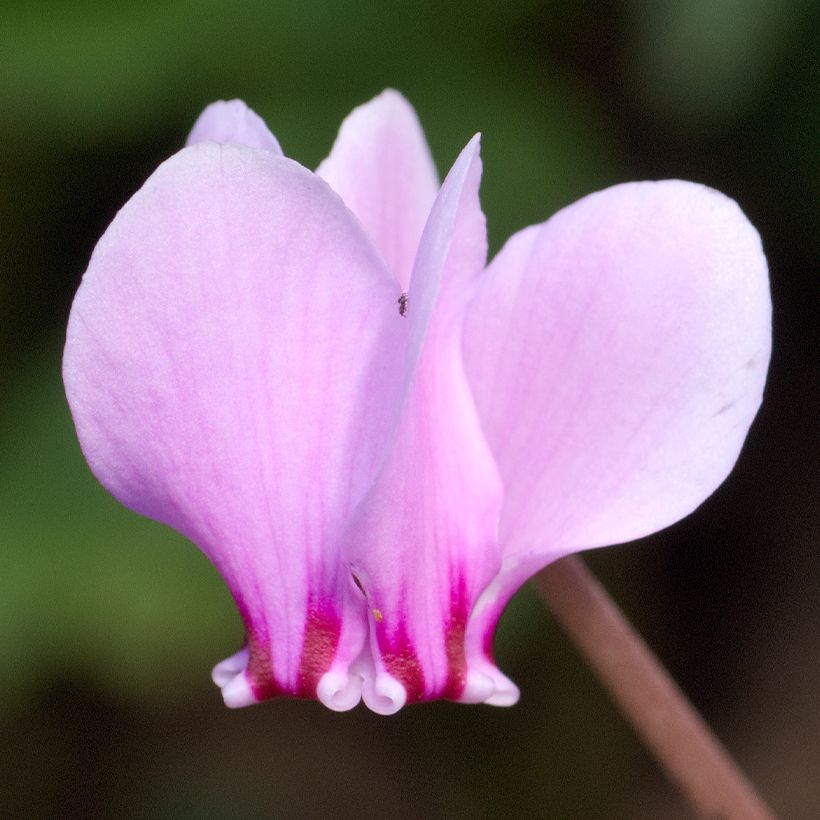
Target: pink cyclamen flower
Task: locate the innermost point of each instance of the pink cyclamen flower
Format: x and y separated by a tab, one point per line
374	476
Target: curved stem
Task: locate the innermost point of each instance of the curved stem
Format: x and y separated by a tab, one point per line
667	722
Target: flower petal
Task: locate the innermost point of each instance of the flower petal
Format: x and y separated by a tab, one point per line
618	354
232	121
423	545
234	365
381	166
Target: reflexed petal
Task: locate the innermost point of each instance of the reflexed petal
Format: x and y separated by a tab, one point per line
381	167
617	354
234	365
232	121
423	545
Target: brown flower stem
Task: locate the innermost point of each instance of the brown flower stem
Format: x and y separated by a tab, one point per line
683	744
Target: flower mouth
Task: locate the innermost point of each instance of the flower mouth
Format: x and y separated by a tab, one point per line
338	689
384	680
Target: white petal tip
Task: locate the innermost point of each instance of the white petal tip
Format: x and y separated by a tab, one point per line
238	693
505	692
384	695
486	683
229	676
339	691
504	698
477	688
228	669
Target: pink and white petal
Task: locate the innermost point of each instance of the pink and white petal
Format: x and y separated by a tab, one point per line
381	166
423	545
232	121
516	569
234	368
617	355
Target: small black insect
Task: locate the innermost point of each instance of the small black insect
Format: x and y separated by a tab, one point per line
403	304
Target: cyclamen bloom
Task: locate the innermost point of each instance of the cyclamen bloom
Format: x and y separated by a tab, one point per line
374	486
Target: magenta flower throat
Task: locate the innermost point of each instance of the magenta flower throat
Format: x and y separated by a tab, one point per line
374	436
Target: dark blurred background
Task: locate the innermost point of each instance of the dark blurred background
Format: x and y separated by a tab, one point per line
109	624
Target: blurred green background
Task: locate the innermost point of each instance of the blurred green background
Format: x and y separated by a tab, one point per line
109	624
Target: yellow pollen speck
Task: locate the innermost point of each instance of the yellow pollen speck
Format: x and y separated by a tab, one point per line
377	615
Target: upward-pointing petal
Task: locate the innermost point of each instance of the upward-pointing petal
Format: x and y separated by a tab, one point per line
618	354
423	544
232	121
381	167
234	365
